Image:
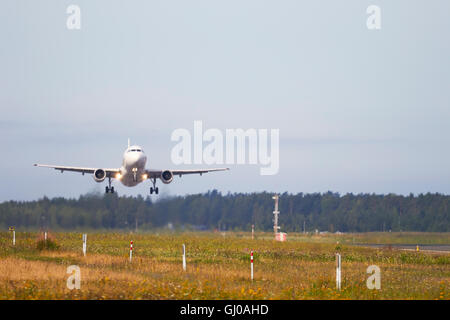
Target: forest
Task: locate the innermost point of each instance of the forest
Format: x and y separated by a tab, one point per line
213	210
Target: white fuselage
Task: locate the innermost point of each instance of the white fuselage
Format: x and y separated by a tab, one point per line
132	171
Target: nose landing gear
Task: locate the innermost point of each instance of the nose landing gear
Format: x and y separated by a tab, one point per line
154	188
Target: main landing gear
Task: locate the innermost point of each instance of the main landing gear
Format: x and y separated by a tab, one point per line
109	188
154	188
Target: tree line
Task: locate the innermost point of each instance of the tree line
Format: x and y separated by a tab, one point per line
328	211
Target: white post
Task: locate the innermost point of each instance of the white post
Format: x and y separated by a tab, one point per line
253	231
14	237
45	235
184	257
275	216
131	250
338	271
251	264
84	243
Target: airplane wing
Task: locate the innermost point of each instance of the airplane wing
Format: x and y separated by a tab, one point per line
109	172
157	173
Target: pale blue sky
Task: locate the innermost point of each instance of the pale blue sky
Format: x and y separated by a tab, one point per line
358	110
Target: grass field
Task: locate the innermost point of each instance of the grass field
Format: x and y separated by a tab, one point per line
218	267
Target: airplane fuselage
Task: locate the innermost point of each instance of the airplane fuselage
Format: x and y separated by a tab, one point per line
132	171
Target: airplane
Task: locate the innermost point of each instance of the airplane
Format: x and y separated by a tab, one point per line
132	172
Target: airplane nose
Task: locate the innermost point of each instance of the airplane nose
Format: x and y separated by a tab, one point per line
135	159
132	159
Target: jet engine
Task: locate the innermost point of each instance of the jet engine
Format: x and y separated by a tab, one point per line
166	176
99	175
